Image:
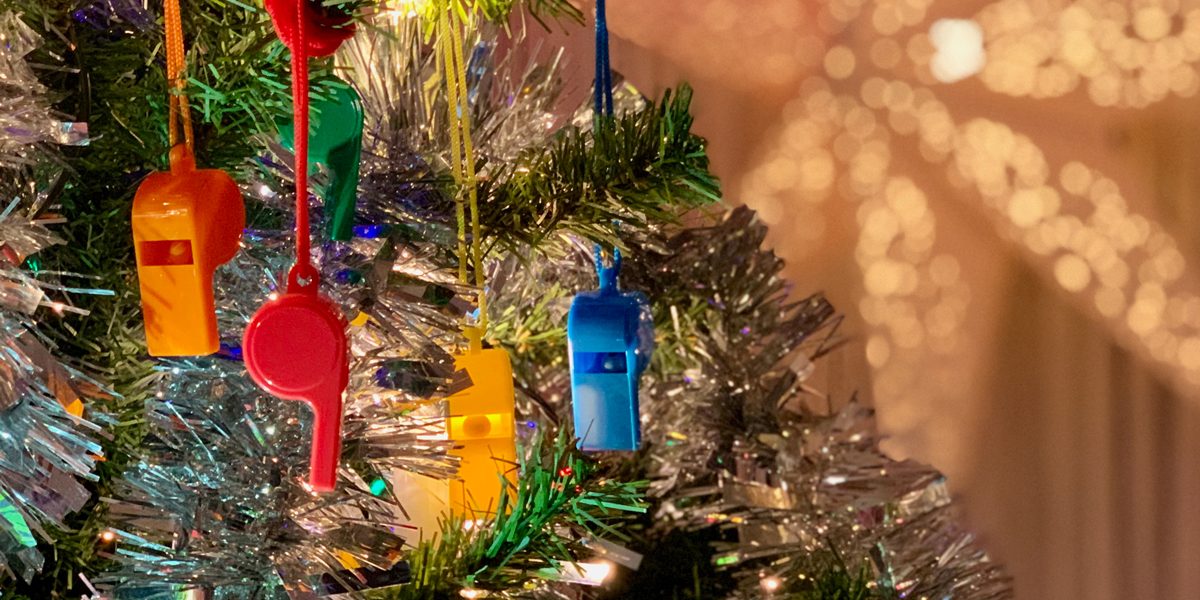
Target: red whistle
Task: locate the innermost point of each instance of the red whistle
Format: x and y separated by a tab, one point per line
324	30
295	349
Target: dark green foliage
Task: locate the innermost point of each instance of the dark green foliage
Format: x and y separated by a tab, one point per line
560	490
676	566
838	582
643	168
114	79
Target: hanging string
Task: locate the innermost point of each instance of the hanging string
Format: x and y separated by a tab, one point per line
304	269
607	274
602	100
177	102
602	91
446	61
454	71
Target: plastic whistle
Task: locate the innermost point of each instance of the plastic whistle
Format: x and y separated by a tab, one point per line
609	338
325	28
186	223
336	142
481	427
295	349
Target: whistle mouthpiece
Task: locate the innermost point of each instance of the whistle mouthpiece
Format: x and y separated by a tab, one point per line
326	443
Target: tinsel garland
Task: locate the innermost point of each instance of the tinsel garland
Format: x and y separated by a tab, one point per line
216	504
737	442
47	448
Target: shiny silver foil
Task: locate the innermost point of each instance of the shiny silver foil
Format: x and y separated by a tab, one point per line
46	452
218	504
734	438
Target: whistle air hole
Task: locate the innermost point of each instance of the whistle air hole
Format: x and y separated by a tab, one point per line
477	426
163	253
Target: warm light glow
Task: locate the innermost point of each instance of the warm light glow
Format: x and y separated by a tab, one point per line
770	584
1124	55
108	536
839	62
597	572
959	50
398	9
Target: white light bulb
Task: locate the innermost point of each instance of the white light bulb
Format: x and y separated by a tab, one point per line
960	53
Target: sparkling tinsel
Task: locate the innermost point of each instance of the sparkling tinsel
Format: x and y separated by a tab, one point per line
47	449
736	438
218	505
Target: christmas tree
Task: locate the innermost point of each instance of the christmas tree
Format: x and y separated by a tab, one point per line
465	204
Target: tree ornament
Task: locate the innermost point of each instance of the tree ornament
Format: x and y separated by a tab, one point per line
325	27
481	425
610	336
295	348
295	345
336	142
186	223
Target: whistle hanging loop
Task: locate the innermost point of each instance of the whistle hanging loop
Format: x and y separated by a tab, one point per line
607	274
178	111
474	337
303	277
182	160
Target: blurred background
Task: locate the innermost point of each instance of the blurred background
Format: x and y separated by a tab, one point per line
1001	198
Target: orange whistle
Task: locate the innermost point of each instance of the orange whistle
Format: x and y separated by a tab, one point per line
186	223
482	429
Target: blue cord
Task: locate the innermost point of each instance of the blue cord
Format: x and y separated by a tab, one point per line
602	93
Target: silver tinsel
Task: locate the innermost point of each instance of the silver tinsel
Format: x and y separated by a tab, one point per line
46	451
26	119
218	505
735	438
738	442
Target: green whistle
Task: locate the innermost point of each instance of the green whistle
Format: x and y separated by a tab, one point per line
335	140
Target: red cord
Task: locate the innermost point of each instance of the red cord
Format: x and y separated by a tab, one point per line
300	135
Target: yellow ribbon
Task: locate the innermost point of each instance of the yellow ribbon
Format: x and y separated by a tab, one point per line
454	72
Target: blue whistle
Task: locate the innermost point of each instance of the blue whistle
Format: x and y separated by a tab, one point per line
610	336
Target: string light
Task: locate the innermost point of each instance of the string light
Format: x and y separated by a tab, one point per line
404	9
839	135
770	584
959	49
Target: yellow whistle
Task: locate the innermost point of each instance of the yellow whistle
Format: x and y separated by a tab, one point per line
481	427
186	223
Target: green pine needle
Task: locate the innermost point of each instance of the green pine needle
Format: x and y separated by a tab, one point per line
639	169
559	491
